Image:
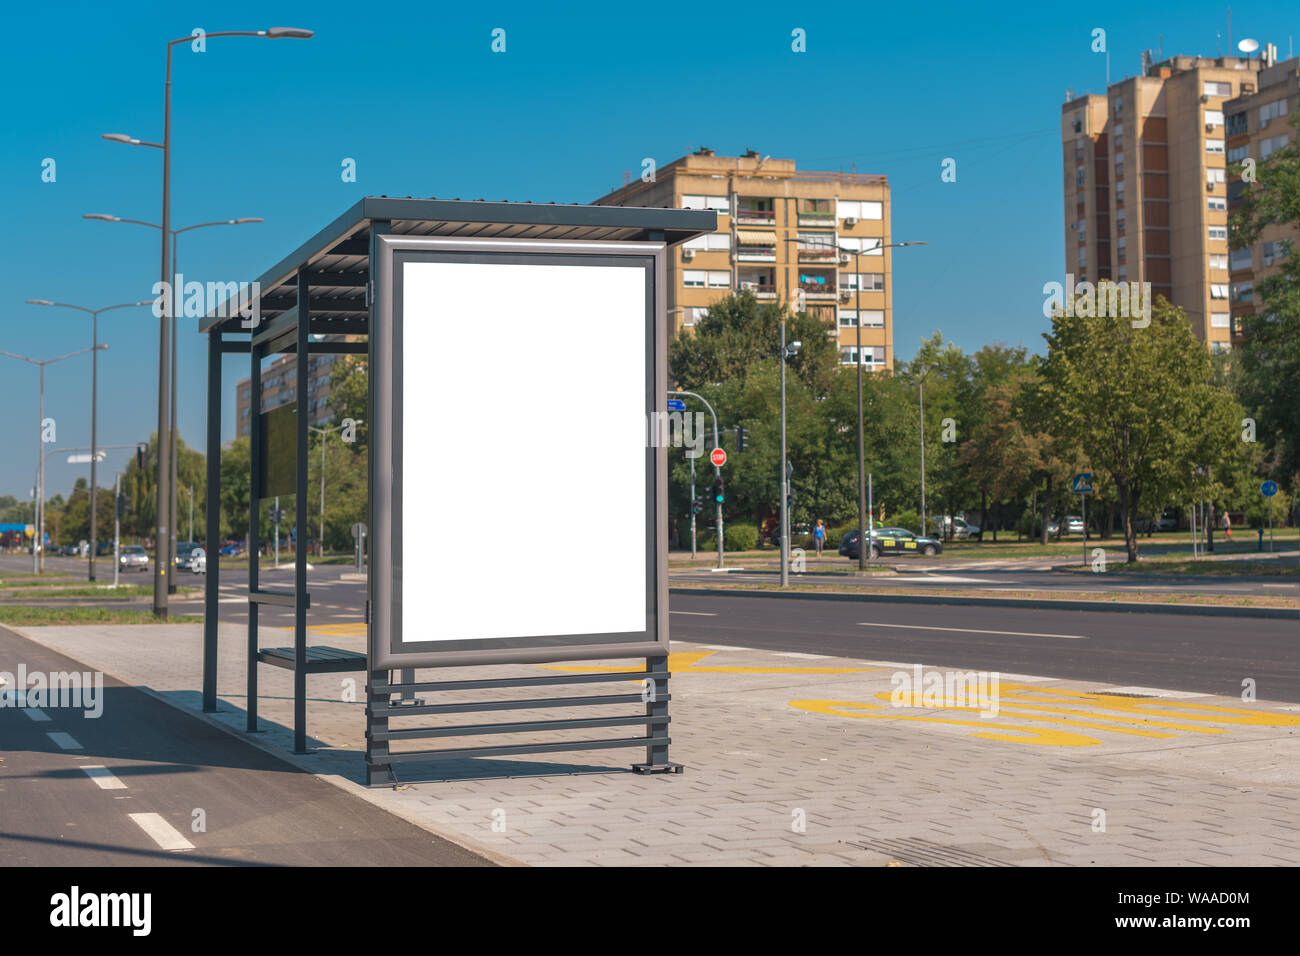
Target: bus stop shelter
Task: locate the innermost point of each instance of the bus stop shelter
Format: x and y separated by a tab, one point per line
375	282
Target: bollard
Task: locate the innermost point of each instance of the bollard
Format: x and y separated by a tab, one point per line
1259	546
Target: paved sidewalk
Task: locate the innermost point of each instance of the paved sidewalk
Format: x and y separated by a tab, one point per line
796	759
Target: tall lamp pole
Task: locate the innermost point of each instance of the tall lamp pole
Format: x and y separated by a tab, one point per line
94	406
38	517
162	535
864	546
175	427
920	384
320	543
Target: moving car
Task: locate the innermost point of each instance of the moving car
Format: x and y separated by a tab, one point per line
1073	524
198	562
890	541
184	550
231	549
133	558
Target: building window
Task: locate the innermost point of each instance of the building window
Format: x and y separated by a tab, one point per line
717	203
864	281
1119	191
1243	291
1270	252
1081	230
1218	261
692	316
855	209
1083	256
1238	153
873	355
1220	320
1123	273
1214	146
1239	259
1121	248
1217	347
868	247
710	242
1215	175
1214	117
1218	290
1218	233
1271	145
1119	136
694	278
1217	89
1119	221
1237	123
848	355
1271	111
1217	204
1078	176
1119	164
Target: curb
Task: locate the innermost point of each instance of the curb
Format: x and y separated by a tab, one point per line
1195	610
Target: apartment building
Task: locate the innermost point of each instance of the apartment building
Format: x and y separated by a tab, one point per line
1146	184
279	384
1257	126
781	232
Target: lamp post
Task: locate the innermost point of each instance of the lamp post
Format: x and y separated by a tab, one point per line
864	545
94	405
920	383
320	543
787	352
175	428
164	457
38	543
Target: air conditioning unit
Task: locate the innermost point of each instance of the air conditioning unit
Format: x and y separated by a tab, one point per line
1209	187
1209	127
844	258
850	222
846	296
688	254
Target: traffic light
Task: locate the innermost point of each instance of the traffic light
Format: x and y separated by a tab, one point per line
718	495
742	438
121	507
140	452
789	498
697	505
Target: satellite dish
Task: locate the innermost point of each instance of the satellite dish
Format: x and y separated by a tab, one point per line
1248	46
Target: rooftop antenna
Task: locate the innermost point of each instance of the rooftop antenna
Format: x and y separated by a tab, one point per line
1218	51
1229	28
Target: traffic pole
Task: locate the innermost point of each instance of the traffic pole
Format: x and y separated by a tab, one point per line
117	527
694	505
1084	498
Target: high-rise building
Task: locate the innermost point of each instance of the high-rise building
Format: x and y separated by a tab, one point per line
781	231
1257	126
1146	182
279	387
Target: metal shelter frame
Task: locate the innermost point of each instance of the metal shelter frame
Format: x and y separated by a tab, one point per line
325	288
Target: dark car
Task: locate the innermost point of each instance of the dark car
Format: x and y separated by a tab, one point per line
184	552
890	541
132	557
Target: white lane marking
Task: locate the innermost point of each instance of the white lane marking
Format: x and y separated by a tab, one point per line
66	741
1151	692
36	714
696	613
1280	585
808	657
1028	678
162	832
928	577
103	777
972	630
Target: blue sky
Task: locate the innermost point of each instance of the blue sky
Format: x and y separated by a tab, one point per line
414	94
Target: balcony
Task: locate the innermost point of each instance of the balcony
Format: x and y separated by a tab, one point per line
825	220
761	282
755	216
818	283
756	247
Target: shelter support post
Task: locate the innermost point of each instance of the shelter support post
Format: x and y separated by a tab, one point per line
254	509
303	383
212	539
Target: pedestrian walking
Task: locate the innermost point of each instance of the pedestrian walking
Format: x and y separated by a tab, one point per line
1227	526
819	537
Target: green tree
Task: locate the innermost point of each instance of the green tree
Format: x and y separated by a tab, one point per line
1139	403
1269	384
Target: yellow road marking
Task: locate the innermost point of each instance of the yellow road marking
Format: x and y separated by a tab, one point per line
684	661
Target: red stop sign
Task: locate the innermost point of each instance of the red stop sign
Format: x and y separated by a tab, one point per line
718	456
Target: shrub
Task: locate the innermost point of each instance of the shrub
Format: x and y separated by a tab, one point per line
904	518
738	536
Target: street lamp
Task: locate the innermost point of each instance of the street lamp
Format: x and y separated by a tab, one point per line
39	515
320	543
920	383
864	546
94	404
173	416
164	455
787	352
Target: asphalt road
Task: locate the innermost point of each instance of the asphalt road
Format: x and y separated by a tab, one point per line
161	766
1210	655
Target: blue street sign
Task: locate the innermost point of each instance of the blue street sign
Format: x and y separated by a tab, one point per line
1082	484
1269	488
676	405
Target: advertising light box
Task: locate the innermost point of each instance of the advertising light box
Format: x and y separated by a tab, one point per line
517	507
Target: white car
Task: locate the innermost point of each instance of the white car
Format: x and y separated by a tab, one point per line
198	561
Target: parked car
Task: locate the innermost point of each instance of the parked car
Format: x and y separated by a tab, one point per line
133	558
1167	522
231	549
184	549
1073	524
890	541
